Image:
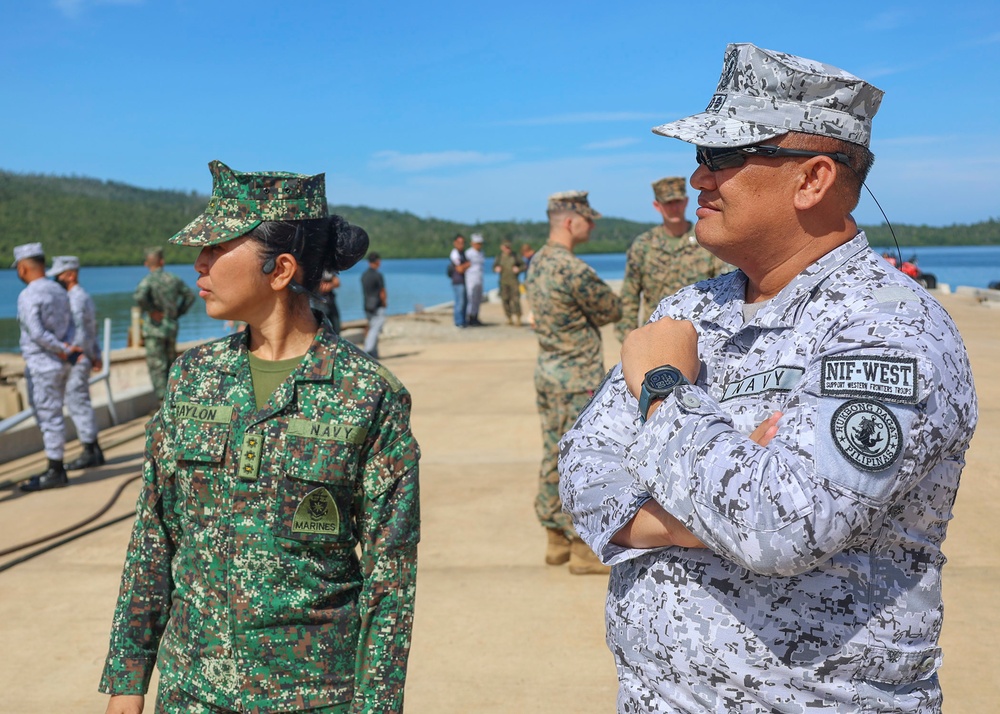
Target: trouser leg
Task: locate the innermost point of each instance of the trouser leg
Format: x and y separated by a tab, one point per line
475	298
46	392
78	403
376	320
558	411
160	354
458	290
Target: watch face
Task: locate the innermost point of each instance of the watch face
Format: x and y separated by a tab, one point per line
663	379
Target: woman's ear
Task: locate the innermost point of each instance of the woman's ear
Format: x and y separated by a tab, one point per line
285	268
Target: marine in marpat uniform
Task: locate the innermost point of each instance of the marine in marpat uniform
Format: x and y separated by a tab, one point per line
163	298
772	467
65	270
663	259
272	565
46	346
570	304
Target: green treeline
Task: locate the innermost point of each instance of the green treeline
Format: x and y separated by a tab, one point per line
111	223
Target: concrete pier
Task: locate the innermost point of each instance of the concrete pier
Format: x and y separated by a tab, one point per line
496	629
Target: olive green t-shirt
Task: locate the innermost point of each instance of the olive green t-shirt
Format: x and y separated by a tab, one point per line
267	375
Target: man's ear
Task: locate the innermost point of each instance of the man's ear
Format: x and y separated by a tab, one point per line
819	174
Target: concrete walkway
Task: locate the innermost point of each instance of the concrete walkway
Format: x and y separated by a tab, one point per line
496	630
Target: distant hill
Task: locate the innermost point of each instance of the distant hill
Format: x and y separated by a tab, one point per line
111	223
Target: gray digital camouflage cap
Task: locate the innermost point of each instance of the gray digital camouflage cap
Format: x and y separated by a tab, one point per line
241	201
763	94
62	263
27	250
575	201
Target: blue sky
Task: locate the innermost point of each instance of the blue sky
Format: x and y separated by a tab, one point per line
477	111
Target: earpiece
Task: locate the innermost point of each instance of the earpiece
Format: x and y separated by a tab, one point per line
268	266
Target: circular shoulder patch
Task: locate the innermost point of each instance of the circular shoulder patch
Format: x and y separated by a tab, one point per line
867	434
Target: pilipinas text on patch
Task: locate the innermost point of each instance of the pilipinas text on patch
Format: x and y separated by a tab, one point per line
890	379
779	379
867	434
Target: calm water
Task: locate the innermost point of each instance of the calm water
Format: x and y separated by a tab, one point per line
412	285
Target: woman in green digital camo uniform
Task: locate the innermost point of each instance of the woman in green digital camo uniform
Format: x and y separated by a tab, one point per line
273	560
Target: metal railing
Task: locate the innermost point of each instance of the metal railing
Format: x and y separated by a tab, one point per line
103	376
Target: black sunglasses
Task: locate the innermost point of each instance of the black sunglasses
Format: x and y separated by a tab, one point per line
716	159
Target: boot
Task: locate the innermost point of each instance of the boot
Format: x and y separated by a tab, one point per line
583	561
91	456
557	550
54	477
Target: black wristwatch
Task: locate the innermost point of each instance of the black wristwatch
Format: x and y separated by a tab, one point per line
658	383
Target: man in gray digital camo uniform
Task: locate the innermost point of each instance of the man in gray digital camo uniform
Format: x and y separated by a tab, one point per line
570	304
65	270
163	298
774	510
46	346
663	259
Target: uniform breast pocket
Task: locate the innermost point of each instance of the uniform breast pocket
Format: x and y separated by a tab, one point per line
315	492
200	453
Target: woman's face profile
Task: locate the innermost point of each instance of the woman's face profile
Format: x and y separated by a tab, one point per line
230	280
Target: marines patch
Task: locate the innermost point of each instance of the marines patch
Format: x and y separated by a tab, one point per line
891	379
867	434
317	513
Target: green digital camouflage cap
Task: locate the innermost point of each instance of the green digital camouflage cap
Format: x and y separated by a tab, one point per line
241	201
575	201
763	94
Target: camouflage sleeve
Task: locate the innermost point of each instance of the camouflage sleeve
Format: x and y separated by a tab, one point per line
596	490
186	297
786	508
389	528
144	597
631	287
596	299
143	296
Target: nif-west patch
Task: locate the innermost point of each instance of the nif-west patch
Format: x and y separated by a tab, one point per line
867	434
891	379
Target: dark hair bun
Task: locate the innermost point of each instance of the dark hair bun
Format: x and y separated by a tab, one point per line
350	244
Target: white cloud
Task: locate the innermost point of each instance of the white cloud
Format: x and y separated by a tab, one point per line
988	40
583	118
409	163
612	143
886	20
73	8
518	190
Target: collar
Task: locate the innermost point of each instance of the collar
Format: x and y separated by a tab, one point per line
317	365
783	309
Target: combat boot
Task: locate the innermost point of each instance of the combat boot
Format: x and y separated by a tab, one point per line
583	561
557	550
54	477
91	456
